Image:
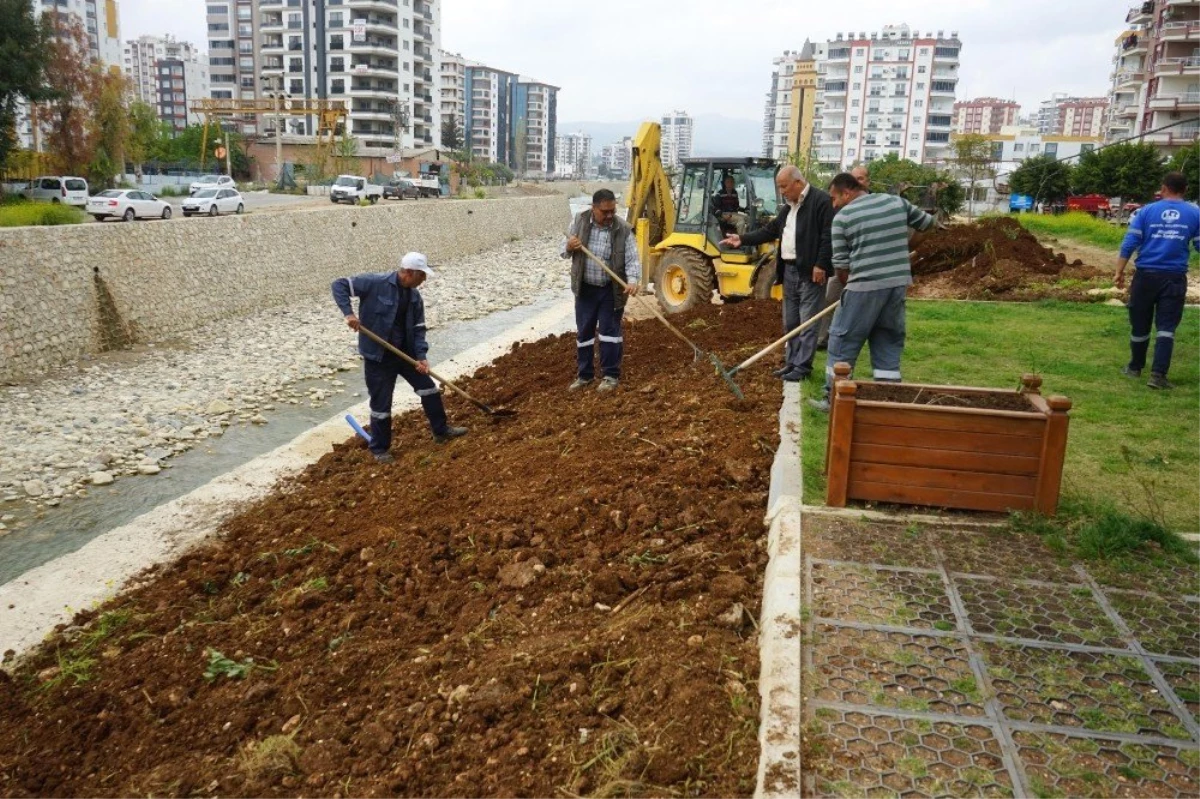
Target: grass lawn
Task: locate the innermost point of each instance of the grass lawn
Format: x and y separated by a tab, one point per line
15	212
1123	435
1083	228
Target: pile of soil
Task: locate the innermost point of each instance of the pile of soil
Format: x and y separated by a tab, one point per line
997	259
916	395
564	603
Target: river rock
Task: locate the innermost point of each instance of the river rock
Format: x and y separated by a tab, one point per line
100	478
217	407
34	488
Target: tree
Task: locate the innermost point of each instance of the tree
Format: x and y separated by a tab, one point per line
1187	161
973	161
23	58
521	147
74	80
1044	178
916	183
1130	171
344	152
813	170
108	130
452	133
144	133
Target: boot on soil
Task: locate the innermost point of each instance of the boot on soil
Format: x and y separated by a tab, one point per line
1160	382
781	371
451	433
1131	373
383	457
608	384
579	383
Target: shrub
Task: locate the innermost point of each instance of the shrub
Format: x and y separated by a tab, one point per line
480	193
21	213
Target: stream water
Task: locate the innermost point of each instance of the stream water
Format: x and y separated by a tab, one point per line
71	525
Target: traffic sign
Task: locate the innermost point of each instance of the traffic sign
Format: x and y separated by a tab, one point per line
220	153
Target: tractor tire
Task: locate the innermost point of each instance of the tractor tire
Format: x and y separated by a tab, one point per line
684	280
764	281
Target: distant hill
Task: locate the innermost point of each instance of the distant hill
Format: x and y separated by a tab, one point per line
713	134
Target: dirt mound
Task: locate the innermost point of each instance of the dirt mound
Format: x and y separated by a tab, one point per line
559	604
997	259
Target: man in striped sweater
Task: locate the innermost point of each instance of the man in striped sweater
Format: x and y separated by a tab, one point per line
870	257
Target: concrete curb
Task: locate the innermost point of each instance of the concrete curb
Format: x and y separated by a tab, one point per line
780	627
42	598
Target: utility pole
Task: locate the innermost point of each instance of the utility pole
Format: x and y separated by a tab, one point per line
277	100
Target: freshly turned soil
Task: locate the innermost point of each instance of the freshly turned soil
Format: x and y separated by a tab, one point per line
563	603
996	259
916	395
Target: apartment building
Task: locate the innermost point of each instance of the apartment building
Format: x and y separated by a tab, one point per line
1155	92
1046	118
452	92
676	143
574	155
380	56
803	118
892	91
510	119
1082	116
618	157
984	115
167	75
778	109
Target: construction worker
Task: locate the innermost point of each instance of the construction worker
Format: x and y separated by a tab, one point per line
833	288
802	264
599	301
870	254
727	208
1160	234
391	307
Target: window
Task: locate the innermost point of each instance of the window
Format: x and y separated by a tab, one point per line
246	62
854	103
857	86
850	153
337	85
852	136
860	51
921	70
917	120
217	10
335	42
294	22
858	70
853	120
1052	149
915	137
912	153
335	20
905	55
296	86
245	29
918	103
220	44
244	13
920	87
1033	148
218	27
337	64
923	51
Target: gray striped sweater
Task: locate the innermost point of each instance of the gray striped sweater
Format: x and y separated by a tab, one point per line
870	238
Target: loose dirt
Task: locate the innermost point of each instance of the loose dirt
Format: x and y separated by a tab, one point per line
916	395
997	259
560	604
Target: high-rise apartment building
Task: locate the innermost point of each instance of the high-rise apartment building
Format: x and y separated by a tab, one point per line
985	115
379	56
888	92
618	157
1155	93
1047	118
1082	116
452	92
167	75
676	138
574	155
509	119
778	109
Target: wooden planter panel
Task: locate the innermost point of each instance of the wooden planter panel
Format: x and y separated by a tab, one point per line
945	456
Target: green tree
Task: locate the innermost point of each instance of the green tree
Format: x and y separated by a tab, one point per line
974	162
24	55
108	130
1044	178
1130	171
144	133
521	147
452	133
344	152
1187	161
919	184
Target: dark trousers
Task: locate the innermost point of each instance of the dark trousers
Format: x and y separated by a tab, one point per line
1155	296
802	300
381	384
596	316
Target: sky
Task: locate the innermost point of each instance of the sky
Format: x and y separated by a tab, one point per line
617	60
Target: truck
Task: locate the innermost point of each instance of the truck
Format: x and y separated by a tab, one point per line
353	188
428	181
1098	205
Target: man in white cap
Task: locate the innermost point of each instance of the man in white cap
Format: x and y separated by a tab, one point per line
390	306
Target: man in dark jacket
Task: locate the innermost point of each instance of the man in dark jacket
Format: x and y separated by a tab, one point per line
390	306
727	208
802	265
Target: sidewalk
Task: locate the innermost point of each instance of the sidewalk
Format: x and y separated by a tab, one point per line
944	662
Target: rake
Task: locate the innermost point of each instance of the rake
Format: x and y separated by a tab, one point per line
728	374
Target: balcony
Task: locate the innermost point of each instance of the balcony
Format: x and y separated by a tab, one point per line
1143	12
368	68
1180	31
1128	77
270	23
1128	110
377	46
1187	101
1176	66
372	5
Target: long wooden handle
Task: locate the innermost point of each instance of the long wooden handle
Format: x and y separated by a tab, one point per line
413	362
783	340
653	308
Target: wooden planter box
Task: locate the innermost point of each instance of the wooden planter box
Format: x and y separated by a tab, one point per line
946	454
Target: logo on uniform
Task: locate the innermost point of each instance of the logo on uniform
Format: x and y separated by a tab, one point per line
1170	215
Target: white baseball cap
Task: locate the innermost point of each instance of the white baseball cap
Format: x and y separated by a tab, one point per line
417	262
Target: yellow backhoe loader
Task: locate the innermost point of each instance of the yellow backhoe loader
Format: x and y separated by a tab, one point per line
678	237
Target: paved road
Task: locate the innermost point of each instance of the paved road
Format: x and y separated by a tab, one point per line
261	201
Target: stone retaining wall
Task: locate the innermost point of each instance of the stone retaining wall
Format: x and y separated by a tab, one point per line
69	291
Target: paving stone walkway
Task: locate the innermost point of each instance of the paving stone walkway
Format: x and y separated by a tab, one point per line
950	663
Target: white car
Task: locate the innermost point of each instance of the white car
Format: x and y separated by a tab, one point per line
213	202
58	189
127	204
212	182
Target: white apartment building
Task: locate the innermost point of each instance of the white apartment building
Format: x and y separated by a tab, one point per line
452	97
168	75
676	138
1046	118
574	155
777	112
887	92
1155	91
380	56
618	156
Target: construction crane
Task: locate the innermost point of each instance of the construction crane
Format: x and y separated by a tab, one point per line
330	114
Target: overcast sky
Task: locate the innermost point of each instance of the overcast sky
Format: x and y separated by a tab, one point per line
626	59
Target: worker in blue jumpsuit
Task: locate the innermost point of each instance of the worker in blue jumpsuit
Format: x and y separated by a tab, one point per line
390	306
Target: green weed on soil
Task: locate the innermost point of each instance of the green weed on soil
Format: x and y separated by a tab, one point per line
19	213
1083	228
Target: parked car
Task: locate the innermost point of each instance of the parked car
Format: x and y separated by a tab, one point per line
58	189
401	189
213	202
127	204
212	182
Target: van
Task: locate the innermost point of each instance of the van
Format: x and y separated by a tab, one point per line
58	189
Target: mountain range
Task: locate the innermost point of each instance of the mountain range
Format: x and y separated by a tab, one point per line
712	134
